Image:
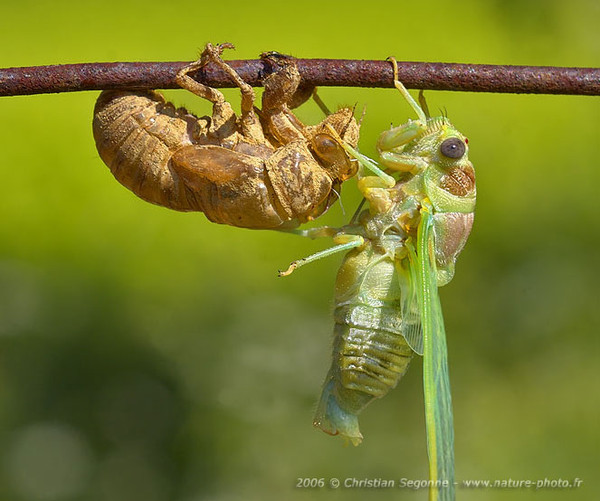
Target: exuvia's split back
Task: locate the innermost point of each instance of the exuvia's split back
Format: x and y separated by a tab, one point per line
421	205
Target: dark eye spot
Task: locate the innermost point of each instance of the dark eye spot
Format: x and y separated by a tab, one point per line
453	148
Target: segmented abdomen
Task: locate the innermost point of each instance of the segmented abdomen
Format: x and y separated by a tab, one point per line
370	362
136	135
370	354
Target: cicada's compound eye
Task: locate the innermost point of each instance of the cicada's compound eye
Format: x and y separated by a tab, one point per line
453	147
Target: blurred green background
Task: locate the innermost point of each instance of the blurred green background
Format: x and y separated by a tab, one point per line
151	355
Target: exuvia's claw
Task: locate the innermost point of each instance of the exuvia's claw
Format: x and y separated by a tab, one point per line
225	45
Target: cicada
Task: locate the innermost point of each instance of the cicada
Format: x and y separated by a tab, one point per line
264	169
421	199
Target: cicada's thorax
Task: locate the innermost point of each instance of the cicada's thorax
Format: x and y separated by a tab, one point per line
370	354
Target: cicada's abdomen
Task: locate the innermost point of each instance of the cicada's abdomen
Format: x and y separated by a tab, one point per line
136	134
370	355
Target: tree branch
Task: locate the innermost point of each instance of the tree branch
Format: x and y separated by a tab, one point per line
318	72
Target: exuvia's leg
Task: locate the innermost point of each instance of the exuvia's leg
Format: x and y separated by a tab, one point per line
282	82
280	88
322	106
423	103
204	91
223	118
222	111
251	127
345	242
246	90
250	124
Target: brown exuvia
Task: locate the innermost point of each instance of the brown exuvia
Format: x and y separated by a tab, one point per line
265	169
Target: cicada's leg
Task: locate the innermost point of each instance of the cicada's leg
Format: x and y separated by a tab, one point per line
363	160
397	137
413	104
391	142
314	233
377	192
390	146
345	242
402	162
374	188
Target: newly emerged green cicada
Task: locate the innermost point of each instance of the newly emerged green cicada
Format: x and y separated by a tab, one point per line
387	305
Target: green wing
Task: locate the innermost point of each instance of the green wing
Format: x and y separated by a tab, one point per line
410	312
436	383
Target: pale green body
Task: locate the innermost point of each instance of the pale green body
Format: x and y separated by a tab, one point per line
377	319
387	307
370	354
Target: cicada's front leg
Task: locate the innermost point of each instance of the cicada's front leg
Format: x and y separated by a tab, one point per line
377	192
391	143
375	188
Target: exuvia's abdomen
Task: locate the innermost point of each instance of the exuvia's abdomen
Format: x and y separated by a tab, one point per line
171	158
136	134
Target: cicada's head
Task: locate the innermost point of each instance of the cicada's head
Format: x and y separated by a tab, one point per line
449	176
449	183
445	177
443	158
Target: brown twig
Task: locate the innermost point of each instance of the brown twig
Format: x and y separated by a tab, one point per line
318	72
